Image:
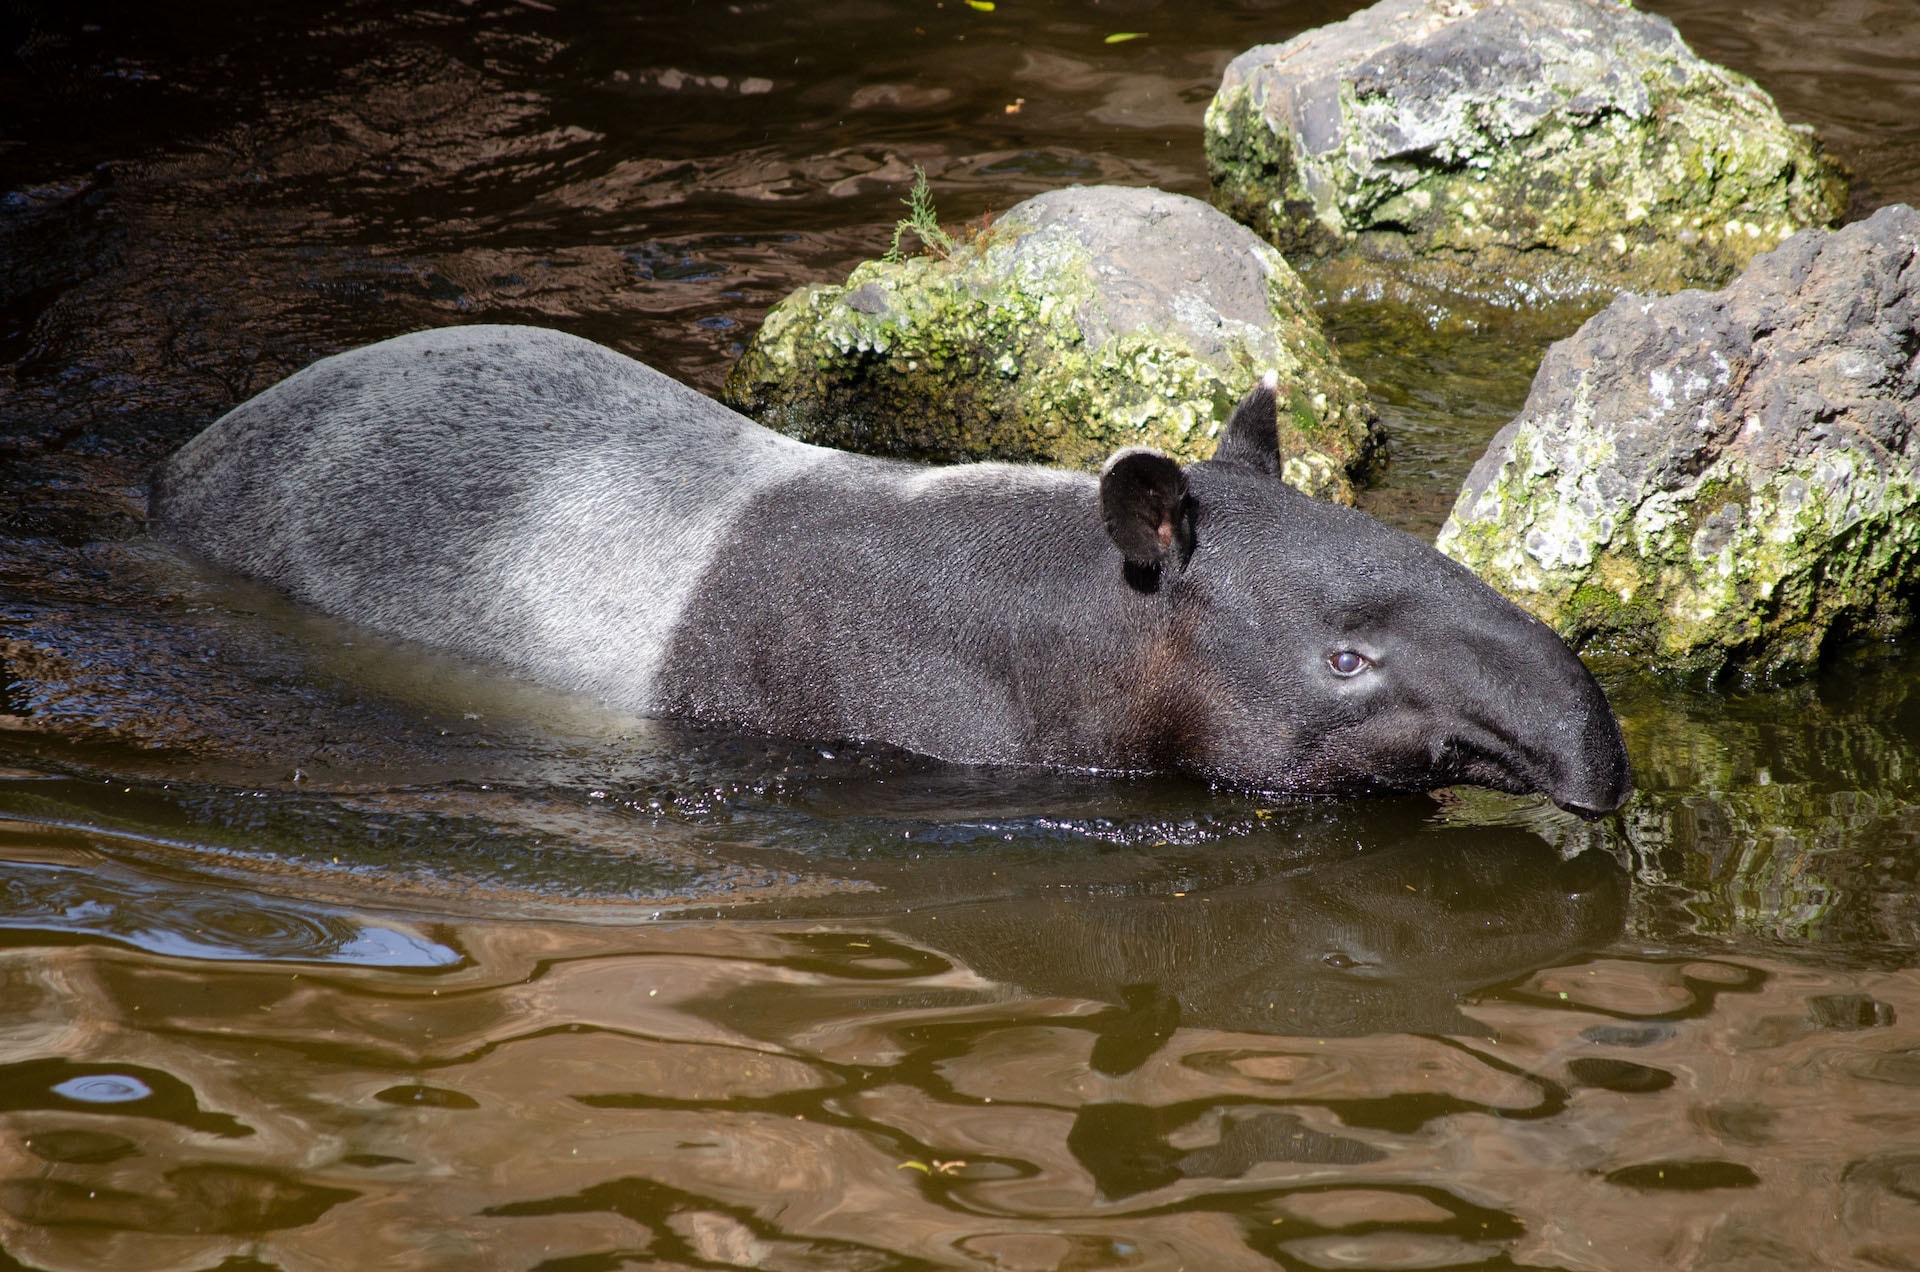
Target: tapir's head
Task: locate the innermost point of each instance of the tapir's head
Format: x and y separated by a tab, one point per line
1309	647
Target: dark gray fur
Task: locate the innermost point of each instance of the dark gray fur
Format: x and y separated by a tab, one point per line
533	499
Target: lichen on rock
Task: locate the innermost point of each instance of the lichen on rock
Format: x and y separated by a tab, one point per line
1083	320
1726	480
1520	147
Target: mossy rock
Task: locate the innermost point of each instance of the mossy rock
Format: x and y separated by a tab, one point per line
1521	148
1721	481
1082	321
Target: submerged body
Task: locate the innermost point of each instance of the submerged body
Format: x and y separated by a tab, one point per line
532	499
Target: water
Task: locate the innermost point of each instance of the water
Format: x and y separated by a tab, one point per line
321	952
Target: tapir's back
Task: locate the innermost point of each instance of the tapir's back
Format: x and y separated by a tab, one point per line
554	500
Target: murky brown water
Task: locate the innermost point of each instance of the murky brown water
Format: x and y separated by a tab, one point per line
316	952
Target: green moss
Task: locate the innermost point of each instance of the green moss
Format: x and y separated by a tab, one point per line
1743	572
1609	612
1254	178
982	355
1682	195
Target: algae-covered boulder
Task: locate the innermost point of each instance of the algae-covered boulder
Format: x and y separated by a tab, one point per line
1721	480
1083	320
1518	147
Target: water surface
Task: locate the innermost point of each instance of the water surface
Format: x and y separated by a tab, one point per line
317	951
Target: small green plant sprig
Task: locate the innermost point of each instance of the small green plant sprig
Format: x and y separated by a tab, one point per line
921	221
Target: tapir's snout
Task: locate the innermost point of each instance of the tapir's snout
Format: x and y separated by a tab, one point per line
1607	786
1591	774
1535	714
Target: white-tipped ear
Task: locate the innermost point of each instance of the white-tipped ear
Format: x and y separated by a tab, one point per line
1252	435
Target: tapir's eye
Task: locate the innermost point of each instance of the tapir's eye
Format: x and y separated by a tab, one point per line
1347	663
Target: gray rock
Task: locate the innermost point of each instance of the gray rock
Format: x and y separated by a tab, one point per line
1723	479
1083	320
1520	146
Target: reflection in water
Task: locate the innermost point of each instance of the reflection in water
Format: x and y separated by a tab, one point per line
103	1088
191	922
319	953
131	1090
761	1095
1340	945
192	1200
1787	815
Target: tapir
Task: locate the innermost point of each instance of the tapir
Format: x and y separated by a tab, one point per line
537	501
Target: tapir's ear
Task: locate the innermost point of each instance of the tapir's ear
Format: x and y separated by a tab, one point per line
1143	501
1253	434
